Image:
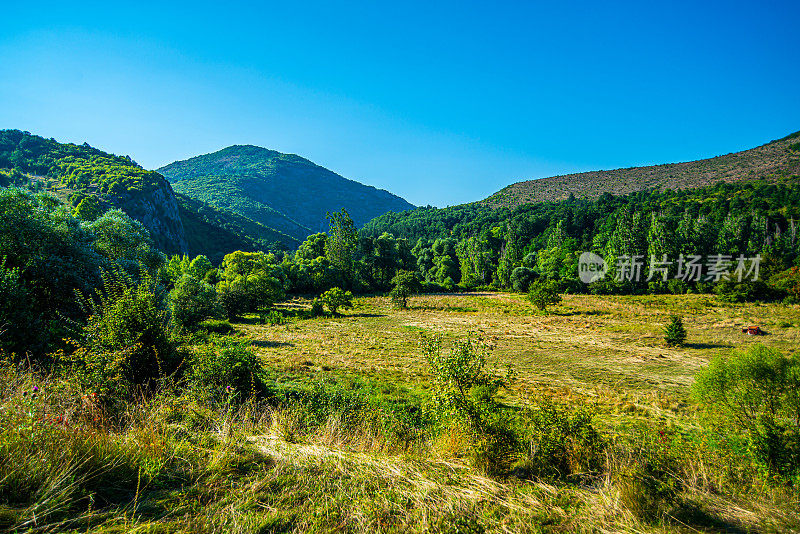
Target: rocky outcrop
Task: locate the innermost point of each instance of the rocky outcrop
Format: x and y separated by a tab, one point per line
157	210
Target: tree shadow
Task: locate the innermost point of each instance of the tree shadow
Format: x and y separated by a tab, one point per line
270	344
691	515
707	346
362	315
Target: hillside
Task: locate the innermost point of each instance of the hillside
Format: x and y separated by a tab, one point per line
216	232
774	159
281	191
75	172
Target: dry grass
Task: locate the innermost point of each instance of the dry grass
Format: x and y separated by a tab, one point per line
605	347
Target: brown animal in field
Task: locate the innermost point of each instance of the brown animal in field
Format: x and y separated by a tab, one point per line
752	331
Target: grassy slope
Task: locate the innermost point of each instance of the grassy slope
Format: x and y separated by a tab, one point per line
778	158
282	191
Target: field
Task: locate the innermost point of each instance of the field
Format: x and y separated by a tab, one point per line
182	464
603	348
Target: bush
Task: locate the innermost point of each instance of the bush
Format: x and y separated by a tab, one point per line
563	443
225	368
756	394
316	307
191	301
125	342
745	291
674	332
337	298
544	294
464	400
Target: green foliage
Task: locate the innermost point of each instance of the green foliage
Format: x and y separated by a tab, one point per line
405	284
124	241
89	208
18	326
250	281
226	367
191	301
336	299
282	192
317	307
674	332
125	342
757	393
465	398
563	443
522	278
544	294
788	283
745	291
341	243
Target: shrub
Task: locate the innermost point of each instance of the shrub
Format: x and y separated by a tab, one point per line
756	393
125	342
191	301
337	298
563	443
544	294
316	307
464	400
745	291
674	332
226	367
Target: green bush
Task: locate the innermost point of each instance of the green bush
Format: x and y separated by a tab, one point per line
674	332
316	307
756	394
224	368
522	278
562	443
544	294
125	342
191	301
336	299
465	398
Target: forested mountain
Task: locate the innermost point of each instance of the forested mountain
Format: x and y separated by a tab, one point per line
774	159
96	180
281	191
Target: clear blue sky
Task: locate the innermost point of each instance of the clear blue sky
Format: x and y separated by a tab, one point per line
439	102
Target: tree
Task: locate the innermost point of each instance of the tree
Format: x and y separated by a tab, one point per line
337	298
89	208
341	243
405	284
544	294
674	332
191	301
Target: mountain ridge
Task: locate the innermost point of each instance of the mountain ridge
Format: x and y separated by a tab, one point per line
780	157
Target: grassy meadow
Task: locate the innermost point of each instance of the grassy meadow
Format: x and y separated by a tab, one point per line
339	442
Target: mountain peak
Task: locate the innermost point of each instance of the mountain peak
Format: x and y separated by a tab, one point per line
282	191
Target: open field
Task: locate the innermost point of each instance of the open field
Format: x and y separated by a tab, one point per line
609	348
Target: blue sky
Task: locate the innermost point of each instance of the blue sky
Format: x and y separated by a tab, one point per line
439	102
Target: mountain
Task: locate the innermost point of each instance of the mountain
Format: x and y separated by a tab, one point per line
75	172
774	159
284	192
